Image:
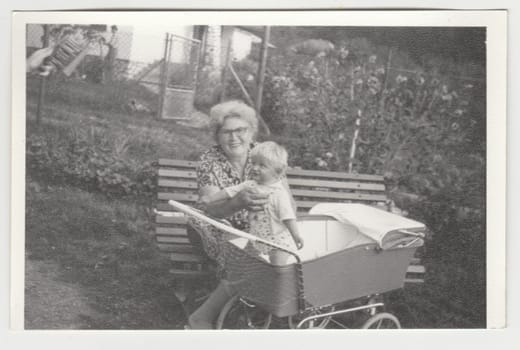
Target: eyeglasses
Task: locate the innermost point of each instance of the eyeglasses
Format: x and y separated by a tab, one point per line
238	132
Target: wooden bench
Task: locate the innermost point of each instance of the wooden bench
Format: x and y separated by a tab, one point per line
177	180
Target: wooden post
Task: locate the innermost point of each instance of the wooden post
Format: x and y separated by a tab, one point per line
248	98
354	140
163	75
352	83
225	69
385	82
43	80
261	76
388	62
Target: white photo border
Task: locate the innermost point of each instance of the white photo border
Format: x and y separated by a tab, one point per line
494	21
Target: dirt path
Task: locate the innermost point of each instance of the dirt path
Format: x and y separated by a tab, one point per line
51	303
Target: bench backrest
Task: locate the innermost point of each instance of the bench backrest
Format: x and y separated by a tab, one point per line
177	180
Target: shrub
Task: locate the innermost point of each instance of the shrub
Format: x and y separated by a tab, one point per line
425	132
88	159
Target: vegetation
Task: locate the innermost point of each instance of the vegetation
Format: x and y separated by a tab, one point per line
422	129
422	126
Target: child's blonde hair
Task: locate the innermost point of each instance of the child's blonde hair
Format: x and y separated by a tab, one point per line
275	155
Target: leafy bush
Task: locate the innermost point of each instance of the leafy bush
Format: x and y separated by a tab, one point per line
413	127
88	159
425	132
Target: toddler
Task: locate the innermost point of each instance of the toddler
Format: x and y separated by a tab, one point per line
277	221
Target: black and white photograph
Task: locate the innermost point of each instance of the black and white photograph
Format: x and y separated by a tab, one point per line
194	174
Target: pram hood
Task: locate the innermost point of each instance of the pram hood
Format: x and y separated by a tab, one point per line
387	229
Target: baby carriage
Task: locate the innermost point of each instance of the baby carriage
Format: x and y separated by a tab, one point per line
353	253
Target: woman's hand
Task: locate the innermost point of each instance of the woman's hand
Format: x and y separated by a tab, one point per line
251	198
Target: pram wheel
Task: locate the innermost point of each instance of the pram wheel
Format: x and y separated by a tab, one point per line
239	314
383	320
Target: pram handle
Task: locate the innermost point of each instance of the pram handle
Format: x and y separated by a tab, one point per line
229	229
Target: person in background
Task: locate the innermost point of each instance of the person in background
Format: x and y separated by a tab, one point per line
35	60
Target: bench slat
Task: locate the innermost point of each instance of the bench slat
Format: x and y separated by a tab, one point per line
178	184
413	280
291	172
338	195
171	231
173	240
179	220
187	257
416	269
185	174
187	184
178	162
164	206
333	175
169	249
181	197
306	205
336	184
190	273
415	261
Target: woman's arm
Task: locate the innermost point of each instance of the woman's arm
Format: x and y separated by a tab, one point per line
248	198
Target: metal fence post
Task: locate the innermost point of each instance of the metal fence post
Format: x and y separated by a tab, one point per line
163	76
43	80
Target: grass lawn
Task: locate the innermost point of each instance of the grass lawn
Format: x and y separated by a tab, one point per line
91	261
100	255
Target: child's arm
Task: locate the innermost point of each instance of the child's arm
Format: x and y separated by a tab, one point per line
293	229
226	193
215	197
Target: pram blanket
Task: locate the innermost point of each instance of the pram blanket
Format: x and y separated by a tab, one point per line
385	228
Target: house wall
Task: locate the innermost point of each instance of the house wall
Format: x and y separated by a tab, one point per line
241	43
214	46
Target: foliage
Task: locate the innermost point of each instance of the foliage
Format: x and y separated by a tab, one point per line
90	160
424	131
421	129
414	126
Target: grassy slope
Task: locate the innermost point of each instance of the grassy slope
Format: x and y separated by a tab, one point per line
104	246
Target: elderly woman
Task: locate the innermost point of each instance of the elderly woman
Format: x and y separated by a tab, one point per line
226	164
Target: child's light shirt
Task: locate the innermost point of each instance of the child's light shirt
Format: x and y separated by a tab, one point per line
268	223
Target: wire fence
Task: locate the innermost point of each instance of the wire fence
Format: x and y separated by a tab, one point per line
111	68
